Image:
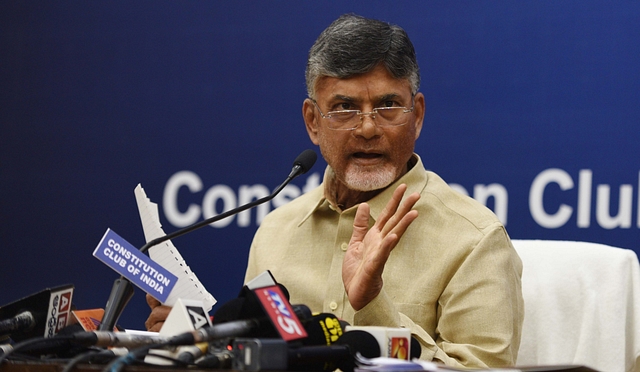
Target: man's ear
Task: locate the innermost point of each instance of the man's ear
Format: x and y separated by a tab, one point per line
419	109
311	119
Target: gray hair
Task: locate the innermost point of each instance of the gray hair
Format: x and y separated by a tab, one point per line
354	45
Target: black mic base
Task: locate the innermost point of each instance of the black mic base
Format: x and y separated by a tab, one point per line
121	293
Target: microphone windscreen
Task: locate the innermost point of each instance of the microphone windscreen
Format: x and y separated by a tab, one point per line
416	349
229	311
362	342
306	160
284	290
322	329
302	311
358	342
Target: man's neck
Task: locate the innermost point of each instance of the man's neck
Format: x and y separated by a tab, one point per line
342	197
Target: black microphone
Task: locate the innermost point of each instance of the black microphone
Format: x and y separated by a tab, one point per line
23	321
40	314
322	329
230	329
264	312
236	328
416	349
394	342
188	354
257	354
217	359
245	306
301	165
122	289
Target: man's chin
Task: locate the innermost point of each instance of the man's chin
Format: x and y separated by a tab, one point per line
369	180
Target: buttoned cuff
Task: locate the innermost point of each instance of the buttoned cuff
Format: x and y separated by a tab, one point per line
380	312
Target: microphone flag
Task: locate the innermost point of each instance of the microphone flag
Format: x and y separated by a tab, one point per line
394	342
284	319
186	315
134	265
89	319
50	308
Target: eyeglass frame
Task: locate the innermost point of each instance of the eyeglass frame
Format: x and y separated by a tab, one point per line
361	114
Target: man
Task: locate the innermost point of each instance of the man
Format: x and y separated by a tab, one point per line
436	262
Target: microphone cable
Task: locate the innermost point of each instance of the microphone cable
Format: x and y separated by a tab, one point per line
34	341
128	359
88	356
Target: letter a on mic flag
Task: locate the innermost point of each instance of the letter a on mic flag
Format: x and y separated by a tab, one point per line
134	265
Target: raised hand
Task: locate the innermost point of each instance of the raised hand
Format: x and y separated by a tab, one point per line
369	249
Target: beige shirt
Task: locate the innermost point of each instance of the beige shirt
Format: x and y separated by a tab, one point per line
453	278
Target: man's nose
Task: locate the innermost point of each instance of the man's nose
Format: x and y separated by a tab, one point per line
368	127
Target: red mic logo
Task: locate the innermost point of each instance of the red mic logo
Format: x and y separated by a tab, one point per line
281	314
65	302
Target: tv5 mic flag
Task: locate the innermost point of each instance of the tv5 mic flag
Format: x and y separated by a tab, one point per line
272	301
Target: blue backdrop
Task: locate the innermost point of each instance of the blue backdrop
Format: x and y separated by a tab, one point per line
532	107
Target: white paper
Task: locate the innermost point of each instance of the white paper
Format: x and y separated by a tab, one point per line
167	255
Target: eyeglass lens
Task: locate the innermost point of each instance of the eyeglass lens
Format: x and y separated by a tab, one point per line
383	116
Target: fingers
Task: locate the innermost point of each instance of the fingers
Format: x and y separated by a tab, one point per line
379	260
159	314
152	302
157	317
397	216
402	225
360	223
155	327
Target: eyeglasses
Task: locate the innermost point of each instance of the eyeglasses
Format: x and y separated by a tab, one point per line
351	119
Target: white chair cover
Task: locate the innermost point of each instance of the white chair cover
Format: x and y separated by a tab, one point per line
582	305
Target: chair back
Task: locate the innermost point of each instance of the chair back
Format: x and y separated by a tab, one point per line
582	305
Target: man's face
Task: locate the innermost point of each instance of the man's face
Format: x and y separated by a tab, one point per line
368	157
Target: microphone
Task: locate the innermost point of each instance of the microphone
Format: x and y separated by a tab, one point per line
76	342
265	312
21	322
393	342
322	329
119	339
41	314
301	165
189	354
237	309
251	354
122	289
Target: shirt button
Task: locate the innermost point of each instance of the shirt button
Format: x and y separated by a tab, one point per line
333	305
344	246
